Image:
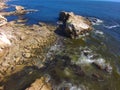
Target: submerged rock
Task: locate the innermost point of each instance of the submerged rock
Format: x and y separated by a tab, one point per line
74	25
40	84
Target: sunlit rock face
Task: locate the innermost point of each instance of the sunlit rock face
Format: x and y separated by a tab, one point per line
4	40
74	25
2	5
3	20
4	43
19	8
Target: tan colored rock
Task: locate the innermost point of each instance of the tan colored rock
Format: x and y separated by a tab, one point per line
3	20
23	45
4	44
12	22
40	84
19	8
74	25
4	41
27	55
2	5
19	11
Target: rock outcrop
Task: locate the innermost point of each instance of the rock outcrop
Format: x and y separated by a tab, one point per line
22	45
74	25
2	5
19	8
3	20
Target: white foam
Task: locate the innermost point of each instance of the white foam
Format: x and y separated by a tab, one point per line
71	86
100	62
111	27
99	32
87	57
95	21
84	60
59	23
88	60
75	88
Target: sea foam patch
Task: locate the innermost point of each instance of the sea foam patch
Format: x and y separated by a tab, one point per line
112	26
65	85
95	21
88	57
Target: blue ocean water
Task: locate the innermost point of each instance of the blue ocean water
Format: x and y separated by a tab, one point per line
48	11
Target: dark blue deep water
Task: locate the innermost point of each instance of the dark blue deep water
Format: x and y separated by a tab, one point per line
48	11
108	12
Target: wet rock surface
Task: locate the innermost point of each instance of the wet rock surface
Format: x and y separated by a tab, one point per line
40	84
74	25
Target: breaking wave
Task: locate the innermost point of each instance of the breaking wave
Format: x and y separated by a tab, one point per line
95	21
111	27
65	85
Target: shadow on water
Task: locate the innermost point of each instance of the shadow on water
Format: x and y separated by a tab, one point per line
22	79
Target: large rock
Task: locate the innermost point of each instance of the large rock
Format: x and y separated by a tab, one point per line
74	25
3	20
19	8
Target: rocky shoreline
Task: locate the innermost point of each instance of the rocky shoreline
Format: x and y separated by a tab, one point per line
21	45
23	48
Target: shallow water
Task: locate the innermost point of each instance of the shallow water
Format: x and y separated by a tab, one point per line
71	56
70	62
